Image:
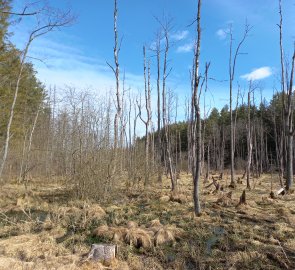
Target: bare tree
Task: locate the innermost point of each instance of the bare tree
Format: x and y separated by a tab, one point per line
147	122
287	93
118	114
232	68
166	72
197	124
159	144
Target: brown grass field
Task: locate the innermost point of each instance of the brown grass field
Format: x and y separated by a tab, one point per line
46	228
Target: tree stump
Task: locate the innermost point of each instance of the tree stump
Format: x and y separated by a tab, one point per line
239	181
104	253
232	185
243	198
272	195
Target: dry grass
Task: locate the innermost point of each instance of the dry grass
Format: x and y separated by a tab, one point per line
46	229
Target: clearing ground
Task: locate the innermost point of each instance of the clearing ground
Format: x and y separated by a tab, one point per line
46	228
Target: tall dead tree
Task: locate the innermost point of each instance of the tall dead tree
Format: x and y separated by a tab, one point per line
49	20
197	124
166	72
116	71
287	93
147	122
159	143
249	137
289	112
232	68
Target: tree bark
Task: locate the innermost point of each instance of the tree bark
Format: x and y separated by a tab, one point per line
197	136
249	138
171	167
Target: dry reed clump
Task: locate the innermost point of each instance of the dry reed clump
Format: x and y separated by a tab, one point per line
225	199
132	235
164	236
164	198
116	234
119	234
179	198
131	225
104	231
155	223
139	238
168	235
78	217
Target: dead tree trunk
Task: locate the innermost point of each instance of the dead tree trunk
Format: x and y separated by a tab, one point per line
232	67
206	180
197	122
287	90
159	143
170	164
249	138
290	128
147	93
27	167
117	119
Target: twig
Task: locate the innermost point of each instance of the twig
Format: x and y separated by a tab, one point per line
6	219
283	251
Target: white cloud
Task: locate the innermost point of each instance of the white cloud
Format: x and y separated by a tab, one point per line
221	33
188	47
63	64
258	74
180	35
153	45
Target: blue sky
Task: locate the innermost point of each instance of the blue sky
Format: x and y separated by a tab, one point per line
77	55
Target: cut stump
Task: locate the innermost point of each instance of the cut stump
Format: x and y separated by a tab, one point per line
104	253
